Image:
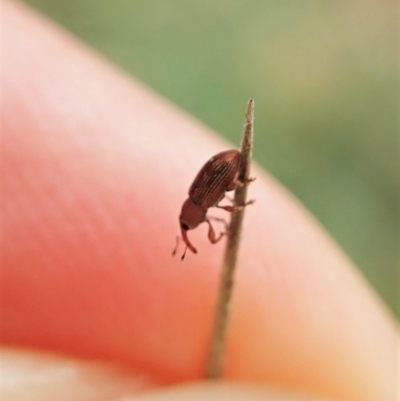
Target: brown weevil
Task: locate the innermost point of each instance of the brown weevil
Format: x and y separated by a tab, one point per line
218	176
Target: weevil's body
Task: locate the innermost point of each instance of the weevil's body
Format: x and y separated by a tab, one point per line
218	176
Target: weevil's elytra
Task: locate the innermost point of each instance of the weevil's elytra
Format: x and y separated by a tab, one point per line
218	176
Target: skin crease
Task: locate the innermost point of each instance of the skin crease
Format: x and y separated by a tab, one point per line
95	170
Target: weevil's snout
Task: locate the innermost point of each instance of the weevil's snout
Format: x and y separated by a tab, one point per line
191	215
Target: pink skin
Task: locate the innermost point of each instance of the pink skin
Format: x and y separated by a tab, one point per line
91	194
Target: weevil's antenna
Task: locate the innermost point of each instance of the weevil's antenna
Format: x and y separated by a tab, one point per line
176	245
184	253
187	245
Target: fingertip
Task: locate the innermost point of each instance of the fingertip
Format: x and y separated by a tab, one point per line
99	168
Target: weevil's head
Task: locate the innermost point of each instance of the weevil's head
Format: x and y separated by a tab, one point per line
191	215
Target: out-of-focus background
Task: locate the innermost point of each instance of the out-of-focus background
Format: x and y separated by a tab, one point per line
324	78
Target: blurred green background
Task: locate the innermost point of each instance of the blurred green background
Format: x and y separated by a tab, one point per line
323	74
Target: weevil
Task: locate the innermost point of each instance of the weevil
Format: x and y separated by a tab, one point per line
219	175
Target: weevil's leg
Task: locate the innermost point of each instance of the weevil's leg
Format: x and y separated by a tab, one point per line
241	184
250	180
176	245
237	183
249	202
220	220
232	209
228	208
211	233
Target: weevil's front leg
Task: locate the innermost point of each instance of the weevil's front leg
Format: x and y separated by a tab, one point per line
220	220
211	233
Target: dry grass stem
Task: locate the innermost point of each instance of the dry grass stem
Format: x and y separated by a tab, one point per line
215	361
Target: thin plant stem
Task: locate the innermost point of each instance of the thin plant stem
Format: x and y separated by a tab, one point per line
215	363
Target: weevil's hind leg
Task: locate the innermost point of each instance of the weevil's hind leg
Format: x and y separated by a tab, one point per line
250	180
211	233
241	184
249	202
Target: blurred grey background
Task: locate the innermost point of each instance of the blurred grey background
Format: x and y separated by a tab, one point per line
324	77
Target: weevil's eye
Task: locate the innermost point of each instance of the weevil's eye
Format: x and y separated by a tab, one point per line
184	226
